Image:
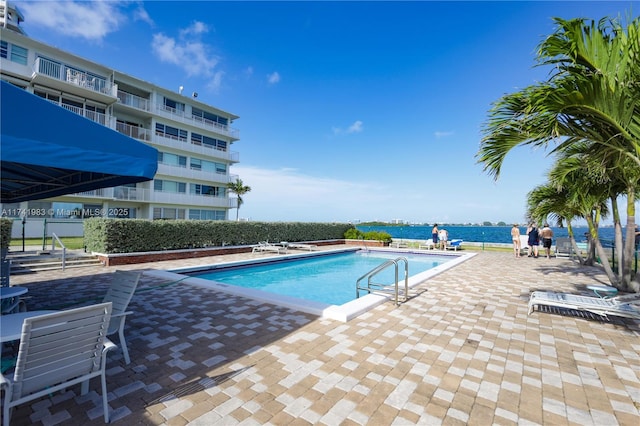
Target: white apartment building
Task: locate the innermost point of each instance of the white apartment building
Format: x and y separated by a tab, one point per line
193	139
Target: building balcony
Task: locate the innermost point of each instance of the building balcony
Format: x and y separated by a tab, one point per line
134	132
187	146
121	193
72	80
202	123
192	174
187	200
125	193
133	101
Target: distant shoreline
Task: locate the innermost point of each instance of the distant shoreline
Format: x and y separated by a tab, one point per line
476	233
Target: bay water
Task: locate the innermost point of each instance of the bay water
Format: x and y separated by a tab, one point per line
480	234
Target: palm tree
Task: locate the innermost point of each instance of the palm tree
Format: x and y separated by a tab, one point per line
591	99
238	188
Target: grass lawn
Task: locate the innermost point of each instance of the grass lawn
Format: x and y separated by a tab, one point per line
72	243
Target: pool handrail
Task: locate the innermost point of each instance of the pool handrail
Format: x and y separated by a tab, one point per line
371	286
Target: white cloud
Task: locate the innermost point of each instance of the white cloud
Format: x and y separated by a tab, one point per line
140	14
273	78
187	52
439	134
356	127
215	82
195	29
91	20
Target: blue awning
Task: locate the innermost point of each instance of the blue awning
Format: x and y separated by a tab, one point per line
47	151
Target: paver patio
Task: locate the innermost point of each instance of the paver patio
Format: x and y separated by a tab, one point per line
462	351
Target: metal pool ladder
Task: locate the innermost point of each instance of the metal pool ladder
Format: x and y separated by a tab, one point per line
386	288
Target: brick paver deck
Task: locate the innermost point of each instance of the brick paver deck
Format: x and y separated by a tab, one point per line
462	351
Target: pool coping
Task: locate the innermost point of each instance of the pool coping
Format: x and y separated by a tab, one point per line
342	313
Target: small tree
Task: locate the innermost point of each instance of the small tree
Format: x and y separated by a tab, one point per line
238	188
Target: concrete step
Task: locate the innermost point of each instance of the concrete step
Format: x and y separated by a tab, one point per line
23	262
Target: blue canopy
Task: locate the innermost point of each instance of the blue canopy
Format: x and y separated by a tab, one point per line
47	151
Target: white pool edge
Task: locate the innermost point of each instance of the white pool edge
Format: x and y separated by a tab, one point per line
342	313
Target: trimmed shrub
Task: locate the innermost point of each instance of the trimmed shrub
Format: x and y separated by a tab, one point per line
5	232
356	234
108	236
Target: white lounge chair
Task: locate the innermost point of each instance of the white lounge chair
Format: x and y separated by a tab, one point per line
264	246
301	246
123	286
454	245
399	244
427	245
59	350
563	247
622	306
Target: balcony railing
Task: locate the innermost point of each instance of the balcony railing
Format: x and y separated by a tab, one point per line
71	75
125	193
183	117
189	173
133	101
135	132
192	199
98	117
208	150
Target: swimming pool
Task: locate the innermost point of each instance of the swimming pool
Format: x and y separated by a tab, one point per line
421	267
326	279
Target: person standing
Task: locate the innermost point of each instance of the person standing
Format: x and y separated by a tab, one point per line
443	236
546	234
434	235
515	237
534	240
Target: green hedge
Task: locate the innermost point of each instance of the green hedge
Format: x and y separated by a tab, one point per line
136	235
356	234
5	231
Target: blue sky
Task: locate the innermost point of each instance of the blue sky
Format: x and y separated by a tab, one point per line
349	111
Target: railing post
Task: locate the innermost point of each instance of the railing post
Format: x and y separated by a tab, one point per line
44	234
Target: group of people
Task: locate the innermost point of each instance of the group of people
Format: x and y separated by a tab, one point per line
440	237
535	236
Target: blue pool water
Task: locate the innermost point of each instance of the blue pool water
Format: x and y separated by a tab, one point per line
329	279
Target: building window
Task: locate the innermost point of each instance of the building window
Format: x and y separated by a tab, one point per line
208	166
171	132
201	115
198	214
173	106
168	213
19	54
218	144
14	53
48	96
169	186
207	190
172	159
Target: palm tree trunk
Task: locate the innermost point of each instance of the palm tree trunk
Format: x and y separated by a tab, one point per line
618	237
573	243
629	247
602	254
